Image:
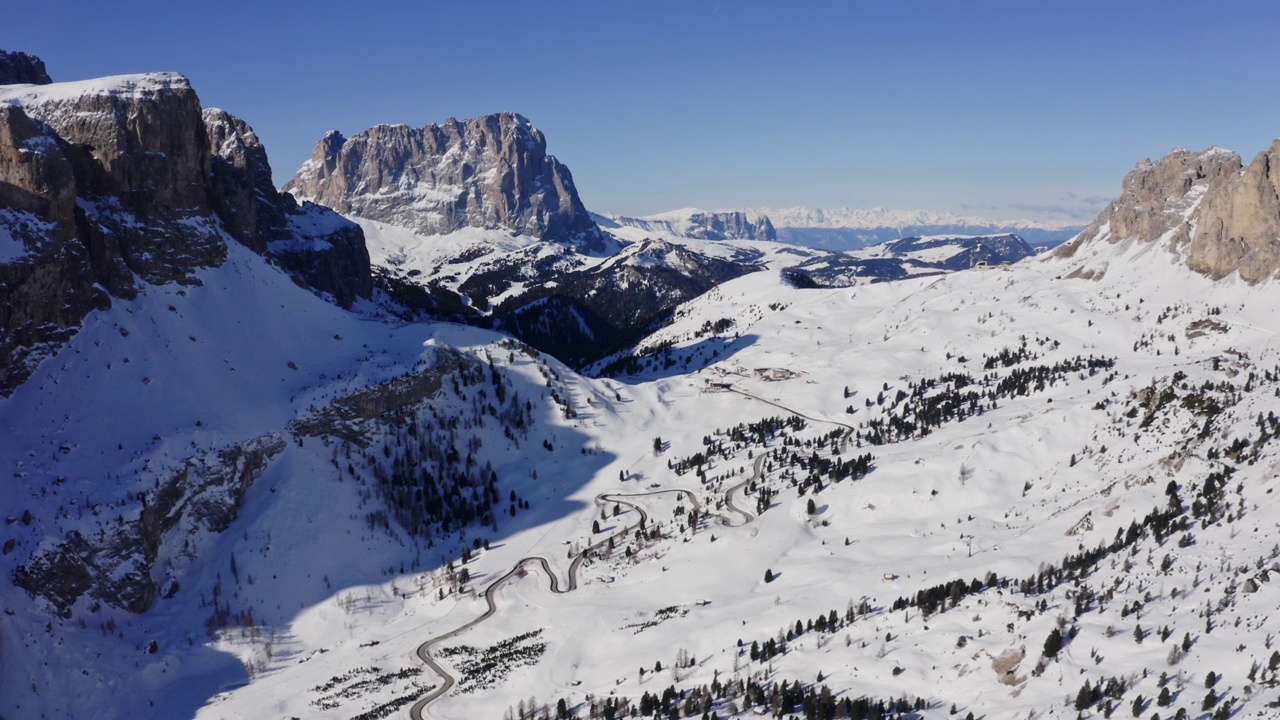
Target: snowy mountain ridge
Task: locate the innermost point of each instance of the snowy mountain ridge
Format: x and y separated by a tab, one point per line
852	229
880	217
909	257
1047	490
697	224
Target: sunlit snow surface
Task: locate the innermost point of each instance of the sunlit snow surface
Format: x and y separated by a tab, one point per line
995	493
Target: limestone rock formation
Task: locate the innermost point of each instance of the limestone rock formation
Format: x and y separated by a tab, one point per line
19	68
315	244
1219	216
1238	225
490	172
112	184
103	190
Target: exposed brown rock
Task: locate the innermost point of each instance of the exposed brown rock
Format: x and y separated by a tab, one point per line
46	290
108	185
1238	224
1221	217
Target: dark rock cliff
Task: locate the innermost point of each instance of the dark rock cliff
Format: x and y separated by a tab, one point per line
18	68
112	184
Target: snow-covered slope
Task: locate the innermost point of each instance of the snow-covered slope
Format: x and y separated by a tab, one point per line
253	415
1043	492
909	257
1091	397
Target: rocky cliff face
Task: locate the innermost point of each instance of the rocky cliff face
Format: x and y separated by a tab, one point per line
117	567
139	157
1205	207
109	185
1238	225
101	190
313	243
491	172
19	68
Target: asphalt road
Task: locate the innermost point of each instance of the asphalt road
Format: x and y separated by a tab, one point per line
490	592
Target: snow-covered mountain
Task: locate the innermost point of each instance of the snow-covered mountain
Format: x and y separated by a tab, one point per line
1221	217
855	228
909	257
111	185
697	224
491	172
473	221
1044	491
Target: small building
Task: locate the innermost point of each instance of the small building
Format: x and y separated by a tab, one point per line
774	374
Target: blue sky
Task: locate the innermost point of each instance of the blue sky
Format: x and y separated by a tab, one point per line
1005	109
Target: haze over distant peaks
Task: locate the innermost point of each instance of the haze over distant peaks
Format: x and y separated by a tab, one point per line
879	217
699	224
854	228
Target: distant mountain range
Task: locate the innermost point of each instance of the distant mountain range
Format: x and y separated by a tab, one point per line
908	257
854	228
255	468
697	224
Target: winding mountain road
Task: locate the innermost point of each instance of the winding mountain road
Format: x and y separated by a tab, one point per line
423	651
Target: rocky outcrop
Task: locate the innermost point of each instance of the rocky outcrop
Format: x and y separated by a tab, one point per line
1205	207
46	273
119	568
139	154
19	68
733	225
241	191
490	172
1238	224
101	190
315	244
354	417
109	185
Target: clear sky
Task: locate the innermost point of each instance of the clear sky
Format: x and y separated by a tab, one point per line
1005	109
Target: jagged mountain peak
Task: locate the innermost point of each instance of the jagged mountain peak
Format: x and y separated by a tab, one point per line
490	172
20	68
1207	208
